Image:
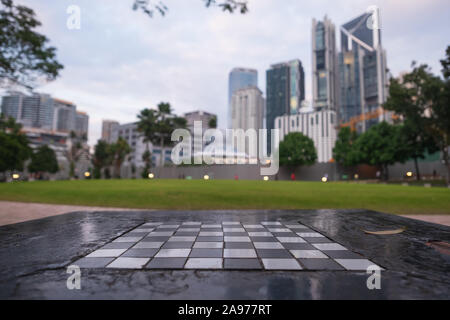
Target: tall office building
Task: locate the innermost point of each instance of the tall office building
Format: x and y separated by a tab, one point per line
285	92
239	78
324	65
247	109
64	115
81	123
108	127
362	64
35	111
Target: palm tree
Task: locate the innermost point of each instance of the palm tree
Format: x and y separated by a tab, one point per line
119	151
156	126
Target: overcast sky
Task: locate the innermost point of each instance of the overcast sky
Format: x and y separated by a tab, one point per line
122	61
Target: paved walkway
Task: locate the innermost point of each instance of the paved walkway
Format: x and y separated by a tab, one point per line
14	212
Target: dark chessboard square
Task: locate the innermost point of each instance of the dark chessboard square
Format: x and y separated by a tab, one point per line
342	254
137	234
317	240
140	253
264	239
206	253
298	246
209	239
320	264
211	230
156	238
93	262
238	245
242	264
178	245
273	253
166	263
119	245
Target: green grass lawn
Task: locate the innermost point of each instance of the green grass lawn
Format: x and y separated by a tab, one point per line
230	194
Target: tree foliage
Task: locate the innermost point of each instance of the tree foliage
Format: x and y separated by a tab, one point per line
408	98
14	149
381	146
156	126
119	150
43	160
297	150
102	157
344	151
150	7
25	56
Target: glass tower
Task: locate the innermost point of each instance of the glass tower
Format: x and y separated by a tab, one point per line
362	71
324	65
285	92
240	78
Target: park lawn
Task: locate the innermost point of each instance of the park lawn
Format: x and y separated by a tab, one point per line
230	194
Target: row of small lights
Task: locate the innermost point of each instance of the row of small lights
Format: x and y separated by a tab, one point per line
87	174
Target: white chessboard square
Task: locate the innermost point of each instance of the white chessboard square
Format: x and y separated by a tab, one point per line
281	264
308	254
329	246
356	264
181	239
291	240
128	263
236	239
260	234
106	253
271	223
173	253
204	263
208	245
239	253
310	235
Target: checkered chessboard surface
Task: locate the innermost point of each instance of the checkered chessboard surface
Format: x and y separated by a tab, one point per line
230	245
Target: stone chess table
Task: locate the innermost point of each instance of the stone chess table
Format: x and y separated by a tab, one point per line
230	245
224	254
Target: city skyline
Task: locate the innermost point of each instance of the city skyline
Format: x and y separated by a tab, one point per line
120	92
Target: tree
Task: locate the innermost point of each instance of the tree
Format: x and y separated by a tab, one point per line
43	161
297	150
74	152
439	95
151	7
213	122
156	126
147	158
14	149
119	151
25	56
407	99
344	151
102	158
380	146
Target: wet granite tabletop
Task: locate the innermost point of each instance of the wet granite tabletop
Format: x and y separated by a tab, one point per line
34	257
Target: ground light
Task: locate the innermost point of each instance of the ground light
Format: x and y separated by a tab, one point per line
266	178
206	177
151	176
324	179
356	176
87	174
15	176
409	174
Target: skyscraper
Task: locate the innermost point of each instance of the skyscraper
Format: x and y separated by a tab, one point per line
34	111
285	91
240	78
247	109
81	123
64	115
108	126
324	65
362	64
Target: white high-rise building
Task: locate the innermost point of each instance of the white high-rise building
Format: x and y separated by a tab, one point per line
247	109
320	126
